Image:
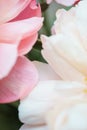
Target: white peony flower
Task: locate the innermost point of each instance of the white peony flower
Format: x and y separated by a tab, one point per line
68	44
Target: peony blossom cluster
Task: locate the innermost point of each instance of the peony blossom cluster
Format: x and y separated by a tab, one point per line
20	20
59	101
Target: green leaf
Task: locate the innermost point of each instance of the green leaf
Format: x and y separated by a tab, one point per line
35	53
9	118
41	1
50	15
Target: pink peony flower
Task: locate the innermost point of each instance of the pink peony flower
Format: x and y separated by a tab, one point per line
64	2
17	36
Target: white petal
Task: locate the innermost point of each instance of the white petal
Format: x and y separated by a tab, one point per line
33	108
27	127
60	65
45	71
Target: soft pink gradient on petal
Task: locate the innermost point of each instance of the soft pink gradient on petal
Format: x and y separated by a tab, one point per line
8	56
32	10
26	44
11	8
17	75
22	29
19	82
26	30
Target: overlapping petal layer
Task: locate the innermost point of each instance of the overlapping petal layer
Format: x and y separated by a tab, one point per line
19	82
32	10
61	105
38	108
18	33
11	8
25	31
8	57
68	44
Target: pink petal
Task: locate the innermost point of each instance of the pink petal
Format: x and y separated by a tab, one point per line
27	43
11	8
19	82
32	10
21	29
8	56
